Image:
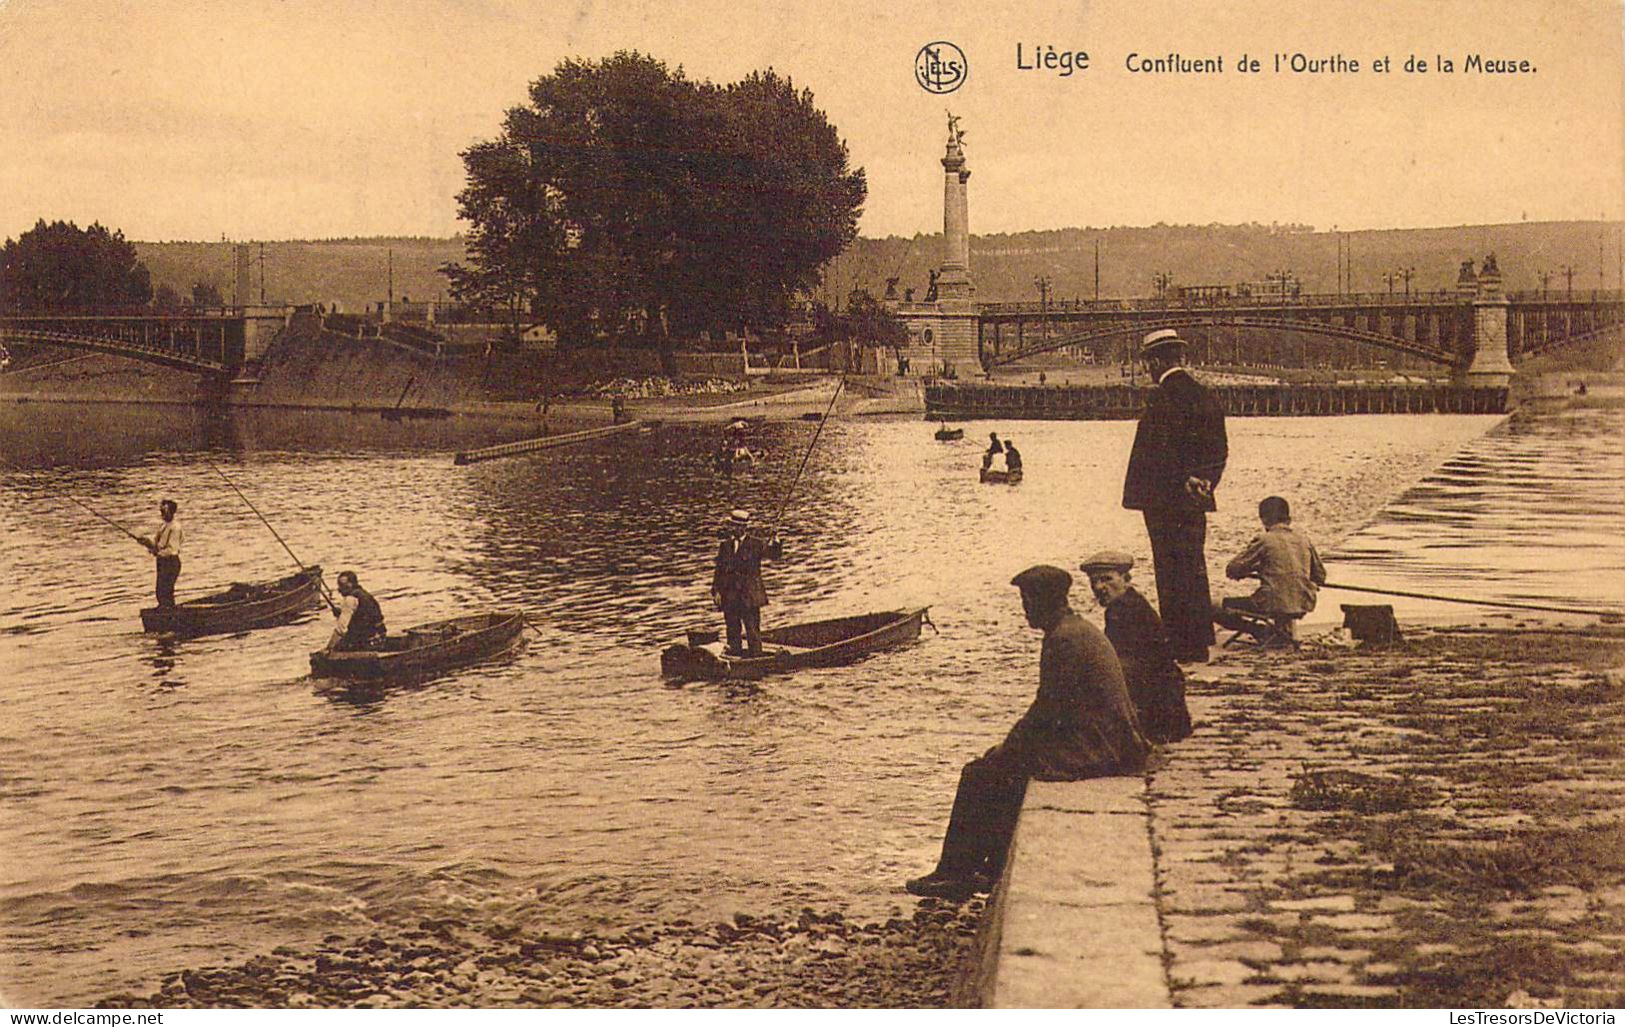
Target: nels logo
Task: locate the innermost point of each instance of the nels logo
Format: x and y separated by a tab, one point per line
940	67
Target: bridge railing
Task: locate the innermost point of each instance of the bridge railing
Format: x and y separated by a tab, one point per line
1193	303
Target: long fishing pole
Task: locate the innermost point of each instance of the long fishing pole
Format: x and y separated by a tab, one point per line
300	563
1471	602
95	513
785	502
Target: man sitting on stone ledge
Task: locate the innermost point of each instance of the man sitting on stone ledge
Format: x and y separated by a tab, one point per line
1080	725
1289	574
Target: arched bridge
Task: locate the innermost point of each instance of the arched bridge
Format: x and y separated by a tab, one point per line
216	343
1465	329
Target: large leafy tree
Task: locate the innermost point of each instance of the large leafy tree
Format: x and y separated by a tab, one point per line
625	199
59	267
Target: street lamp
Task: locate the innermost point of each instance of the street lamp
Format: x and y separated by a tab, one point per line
1567	270
1545	277
1162	280
1389	279
1406	273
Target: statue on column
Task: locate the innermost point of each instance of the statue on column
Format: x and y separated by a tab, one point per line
956	135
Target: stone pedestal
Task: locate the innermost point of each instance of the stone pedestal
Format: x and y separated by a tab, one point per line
1491	364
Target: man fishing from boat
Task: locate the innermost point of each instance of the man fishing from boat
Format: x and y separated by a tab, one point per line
736	584
994	448
360	619
165	544
1080	725
1012	457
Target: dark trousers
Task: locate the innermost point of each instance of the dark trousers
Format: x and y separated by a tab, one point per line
986	807
750	619
169	568
1177	554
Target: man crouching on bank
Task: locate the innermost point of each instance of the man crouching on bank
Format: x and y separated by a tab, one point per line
1080	725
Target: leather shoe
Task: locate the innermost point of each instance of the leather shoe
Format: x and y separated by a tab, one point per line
1191	656
942	886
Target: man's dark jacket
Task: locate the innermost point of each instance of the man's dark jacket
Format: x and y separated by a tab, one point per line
738	575
1181	435
1156	685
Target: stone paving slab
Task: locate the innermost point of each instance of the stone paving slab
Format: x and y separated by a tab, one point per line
1078	926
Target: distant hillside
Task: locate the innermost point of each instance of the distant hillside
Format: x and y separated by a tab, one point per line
355	272
351	272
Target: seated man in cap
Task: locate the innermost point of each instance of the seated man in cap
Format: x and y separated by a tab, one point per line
736	584
1156	685
1180	449
1080	725
1288	570
995	448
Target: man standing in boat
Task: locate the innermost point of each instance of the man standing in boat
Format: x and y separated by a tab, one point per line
736	584
1180	449
1080	725
165	544
994	448
360	619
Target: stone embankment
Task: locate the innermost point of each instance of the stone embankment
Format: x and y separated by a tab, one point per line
1440	823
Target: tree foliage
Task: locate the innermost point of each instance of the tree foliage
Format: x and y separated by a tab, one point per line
864	320
626	200
206	294
59	267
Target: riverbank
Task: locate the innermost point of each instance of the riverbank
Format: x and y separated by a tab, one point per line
797	960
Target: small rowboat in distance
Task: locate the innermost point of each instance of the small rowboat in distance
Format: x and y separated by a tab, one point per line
947	434
425	649
239	607
992	477
822	643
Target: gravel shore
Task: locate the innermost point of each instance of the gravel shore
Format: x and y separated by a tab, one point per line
809	960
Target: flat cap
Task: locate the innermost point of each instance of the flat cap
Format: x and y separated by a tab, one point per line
1044	580
1108	560
1159	338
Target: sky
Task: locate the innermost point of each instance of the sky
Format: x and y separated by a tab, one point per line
285	119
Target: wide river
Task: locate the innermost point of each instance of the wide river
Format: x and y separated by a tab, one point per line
171	804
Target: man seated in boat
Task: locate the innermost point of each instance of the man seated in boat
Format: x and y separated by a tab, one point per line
1288	570
1156	685
994	448
736	584
1080	725
1012	457
360	619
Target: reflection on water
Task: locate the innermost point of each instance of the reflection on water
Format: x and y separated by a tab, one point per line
166	803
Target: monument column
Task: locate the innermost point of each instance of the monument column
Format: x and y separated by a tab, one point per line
944	327
954	282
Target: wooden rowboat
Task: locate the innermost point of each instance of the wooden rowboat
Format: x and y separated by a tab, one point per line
821	643
239	607
425	649
947	434
992	477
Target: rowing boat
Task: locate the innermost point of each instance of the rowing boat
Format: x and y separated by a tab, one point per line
239	607
821	643
947	434
425	649
991	477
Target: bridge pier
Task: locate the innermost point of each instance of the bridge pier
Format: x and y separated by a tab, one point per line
1491	363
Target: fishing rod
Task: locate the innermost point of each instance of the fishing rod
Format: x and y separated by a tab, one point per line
300	563
95	513
1472	602
785	502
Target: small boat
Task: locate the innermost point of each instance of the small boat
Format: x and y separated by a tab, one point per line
992	477
947	434
425	649
239	607
812	416
822	643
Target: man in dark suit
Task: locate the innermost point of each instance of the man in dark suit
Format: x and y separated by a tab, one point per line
1179	455
736	585
1080	725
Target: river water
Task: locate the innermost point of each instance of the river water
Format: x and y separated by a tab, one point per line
172	804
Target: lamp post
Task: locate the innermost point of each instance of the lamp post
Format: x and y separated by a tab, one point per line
1406	273
1545	277
1567	271
1162	280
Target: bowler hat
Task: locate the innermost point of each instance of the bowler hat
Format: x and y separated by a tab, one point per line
1043	579
1160	338
1108	560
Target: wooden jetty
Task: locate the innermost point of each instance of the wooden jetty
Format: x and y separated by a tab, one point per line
474	456
1124	402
